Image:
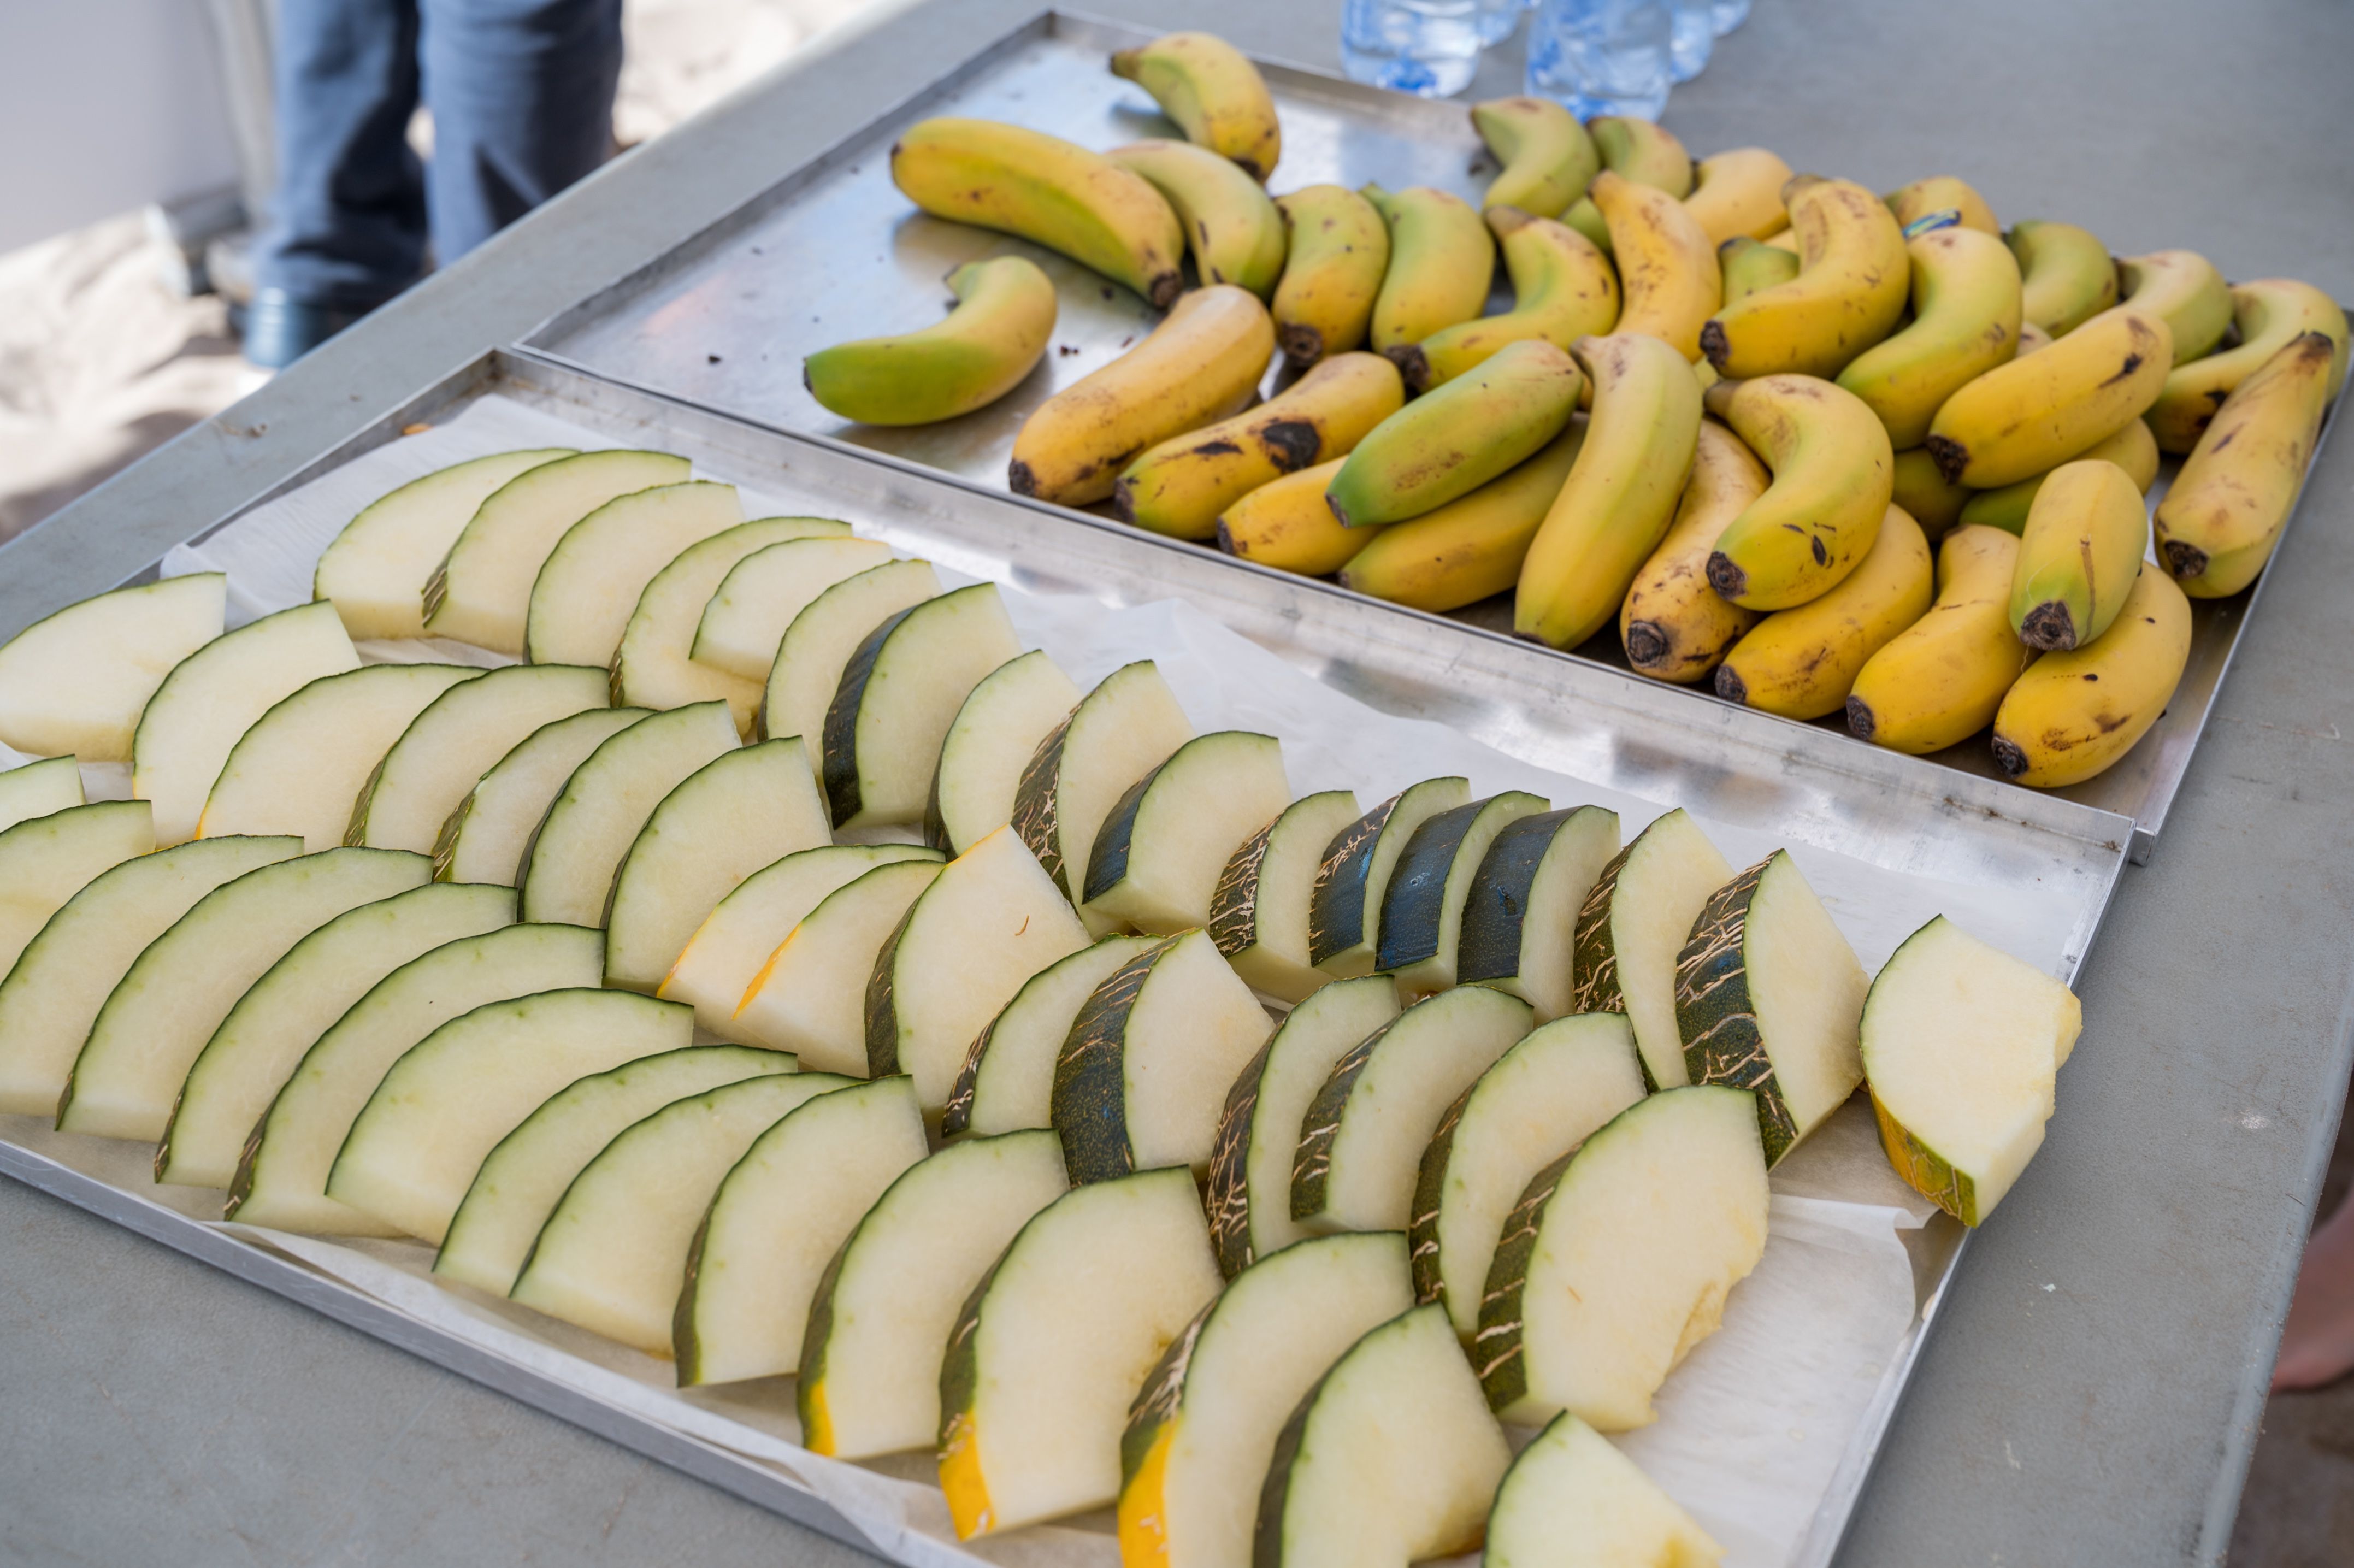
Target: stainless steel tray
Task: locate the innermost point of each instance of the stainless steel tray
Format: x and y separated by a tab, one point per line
1601	725
832	251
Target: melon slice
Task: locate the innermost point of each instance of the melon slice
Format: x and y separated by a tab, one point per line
1520	923
1631	929
1542	1098
1122	730
817	646
777	1221
1769	997
213	696
1961	1044
281	1177
1362	1138
1259	1131
989	744
734	943
1352	877
74	683
745	809
900	692
1617	1259
581	600
486	834
264	1035
1259	912
740	625
167	1006
39	789
481	593
811	996
102	925
1008	1079
1145	1070
566	872
879	1324
377	568
612	1254
1202	1434
523	1178
1573	1501
1054	1342
303	764
459	736
1158	857
47	861
1391	1458
1422	907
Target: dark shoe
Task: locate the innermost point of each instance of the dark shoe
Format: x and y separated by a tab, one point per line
281	329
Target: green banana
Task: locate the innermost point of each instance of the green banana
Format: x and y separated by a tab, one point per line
2185	288
1751	267
1965	313
1236	233
1441	264
1460	436
1471	548
1547	157
2269	312
1929	497
2132	449
1640	150
1563	289
1004	314
2065	275
1214	92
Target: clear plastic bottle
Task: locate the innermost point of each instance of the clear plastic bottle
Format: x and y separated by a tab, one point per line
1730	13
1499	17
1430	47
1693	34
1602	57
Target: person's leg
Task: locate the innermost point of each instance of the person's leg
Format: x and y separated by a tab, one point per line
347	229
522	95
2317	1344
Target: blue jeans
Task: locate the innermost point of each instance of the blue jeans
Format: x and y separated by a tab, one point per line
522	98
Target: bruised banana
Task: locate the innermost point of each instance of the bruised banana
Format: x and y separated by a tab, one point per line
2070	715
2185	288
1938	681
1640	150
1460	436
1202	363
1833	475
1563	289
2065	273
1941	193
2084	540
1003	316
1236	233
1044	189
2225	510
1965	312
1468	549
1338	248
1286	524
1926	496
1214	92
1547	157
2035	413
1851	286
1739	193
2132	449
1752	266
1441	263
1620	495
1675	627
1802	663
2269	312
1181	486
1667	269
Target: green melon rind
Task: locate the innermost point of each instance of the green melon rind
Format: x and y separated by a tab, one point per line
1311	1166
1429	1190
1090	1104
1227	1195
882	1004
1156	1402
960	1364
1036	818
1336	914
1716	1015
1593	953
1924	1170
1487	948
1496	1350
1107	861
1233	905
956	1117
838	744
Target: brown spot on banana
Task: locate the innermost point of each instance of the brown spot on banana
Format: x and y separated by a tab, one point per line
1711	343
2009	758
1020	479
1950	456
1412	363
1725	577
1730	685
1219	447
2185	560
1302	344
2132	364
1860	722
2049	627
1291	444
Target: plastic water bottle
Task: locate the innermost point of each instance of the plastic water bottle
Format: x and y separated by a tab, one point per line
1730	13
1692	33
1430	47
1602	57
1499	17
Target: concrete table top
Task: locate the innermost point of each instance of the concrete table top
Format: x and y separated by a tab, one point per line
2092	1393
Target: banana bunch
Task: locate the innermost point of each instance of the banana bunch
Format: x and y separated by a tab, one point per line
2225	512
1337	252
1674	625
1003	316
1563	289
1965	314
1852	283
1739	193
1214	93
2066	274
1472	547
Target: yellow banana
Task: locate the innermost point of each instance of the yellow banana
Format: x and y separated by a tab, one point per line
1202	363
2065	273
2225	512
2070	715
1739	193
1286	525
1941	193
1441	263
1666	268
2268	313
1457	438
1802	663
1620	495
1213	91
1468	549
1181	486
2132	449
1852	282
1563	289
2031	337
1004	314
2034	414
2185	288
2085	538
1044	189
1964	323
1926	496
1938	681
1547	157
1338	250
1236	233
1751	266
1833	475
1782	240
1675	627
1640	150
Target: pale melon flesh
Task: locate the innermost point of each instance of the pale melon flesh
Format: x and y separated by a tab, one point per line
745	616
817	646
1259	912
459	736
567	875
811	996
74	683
486	834
582	599
989	744
1008	1079
39	789
377	568
1573	1501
